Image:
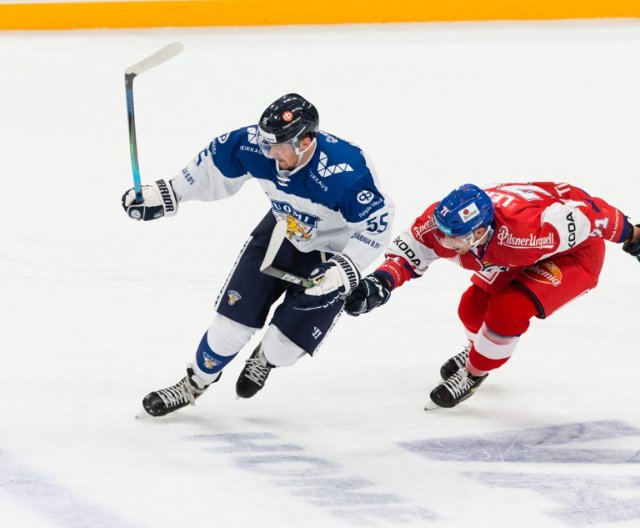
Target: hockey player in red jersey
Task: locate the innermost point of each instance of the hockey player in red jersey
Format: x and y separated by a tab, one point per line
532	248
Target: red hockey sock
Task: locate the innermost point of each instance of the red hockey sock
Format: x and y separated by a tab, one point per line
507	317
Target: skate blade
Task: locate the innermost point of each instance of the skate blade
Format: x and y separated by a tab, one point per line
430	406
142	414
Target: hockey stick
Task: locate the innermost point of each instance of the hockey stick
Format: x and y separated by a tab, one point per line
130	73
278	235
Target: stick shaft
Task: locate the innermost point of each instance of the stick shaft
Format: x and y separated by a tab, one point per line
133	143
160	56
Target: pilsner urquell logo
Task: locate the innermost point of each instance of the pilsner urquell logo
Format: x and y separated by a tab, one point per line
506	238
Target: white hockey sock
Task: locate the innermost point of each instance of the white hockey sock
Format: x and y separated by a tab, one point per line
278	349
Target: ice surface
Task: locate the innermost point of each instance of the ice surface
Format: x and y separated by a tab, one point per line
96	310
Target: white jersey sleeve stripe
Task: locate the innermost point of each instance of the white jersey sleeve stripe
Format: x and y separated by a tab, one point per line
570	222
205	182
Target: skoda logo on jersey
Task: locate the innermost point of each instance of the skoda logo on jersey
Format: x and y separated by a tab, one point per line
299	224
365	197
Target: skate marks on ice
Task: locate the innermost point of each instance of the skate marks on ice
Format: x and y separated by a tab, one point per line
537	445
536	461
584	499
54	503
313	479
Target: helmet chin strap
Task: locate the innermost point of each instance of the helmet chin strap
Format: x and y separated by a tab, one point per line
484	238
301	153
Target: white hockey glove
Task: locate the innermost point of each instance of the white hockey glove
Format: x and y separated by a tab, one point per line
158	200
333	280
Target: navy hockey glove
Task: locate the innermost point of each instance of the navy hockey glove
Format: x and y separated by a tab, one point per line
158	200
373	291
633	246
333	280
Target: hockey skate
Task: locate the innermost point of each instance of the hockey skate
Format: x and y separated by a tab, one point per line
455	389
455	363
253	375
183	393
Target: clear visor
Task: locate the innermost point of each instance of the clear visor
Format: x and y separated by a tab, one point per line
456	242
271	149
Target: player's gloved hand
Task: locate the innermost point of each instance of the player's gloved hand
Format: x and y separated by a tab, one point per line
158	200
333	280
372	291
633	246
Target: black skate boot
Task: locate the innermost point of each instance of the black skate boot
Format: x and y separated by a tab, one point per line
456	388
253	375
455	363
183	393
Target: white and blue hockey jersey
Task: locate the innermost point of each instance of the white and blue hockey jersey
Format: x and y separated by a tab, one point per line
331	203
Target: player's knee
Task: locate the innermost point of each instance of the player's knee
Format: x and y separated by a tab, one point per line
509	312
219	345
472	308
278	349
508	316
226	336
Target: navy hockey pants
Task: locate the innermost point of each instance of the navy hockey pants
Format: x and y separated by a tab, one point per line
249	294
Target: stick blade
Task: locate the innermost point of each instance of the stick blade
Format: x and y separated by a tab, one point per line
160	56
277	237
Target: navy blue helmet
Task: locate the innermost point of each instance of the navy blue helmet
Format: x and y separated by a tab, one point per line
464	210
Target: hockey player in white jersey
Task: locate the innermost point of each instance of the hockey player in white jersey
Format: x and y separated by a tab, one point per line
338	222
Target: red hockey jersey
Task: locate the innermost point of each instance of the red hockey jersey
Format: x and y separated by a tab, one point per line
533	221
